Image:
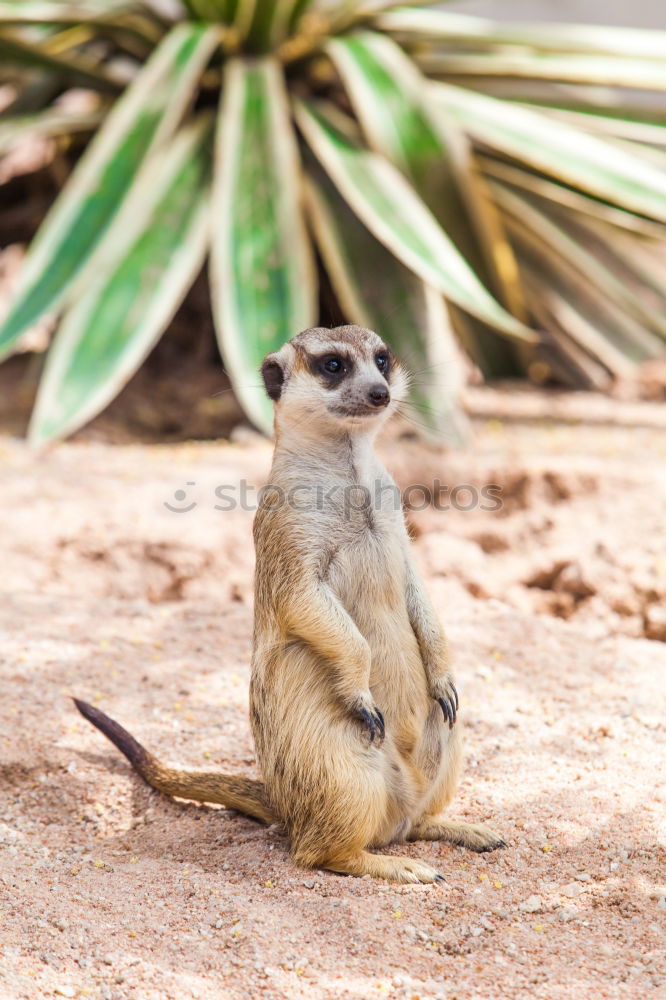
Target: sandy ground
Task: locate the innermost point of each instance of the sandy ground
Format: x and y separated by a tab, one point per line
555	606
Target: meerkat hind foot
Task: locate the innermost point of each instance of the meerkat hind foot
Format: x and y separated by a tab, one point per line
473	836
394	869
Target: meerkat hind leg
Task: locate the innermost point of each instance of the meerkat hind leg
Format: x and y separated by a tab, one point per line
474	836
394	869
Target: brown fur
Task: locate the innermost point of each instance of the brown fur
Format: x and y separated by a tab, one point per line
345	641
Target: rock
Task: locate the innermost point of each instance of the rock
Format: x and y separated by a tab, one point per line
571	580
309	884
531	905
572	890
64	991
655	623
583	877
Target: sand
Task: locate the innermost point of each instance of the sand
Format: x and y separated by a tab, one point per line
555	608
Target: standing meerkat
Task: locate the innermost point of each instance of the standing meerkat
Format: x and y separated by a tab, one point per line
352	701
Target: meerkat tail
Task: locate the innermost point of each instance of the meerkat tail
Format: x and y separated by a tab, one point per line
244	794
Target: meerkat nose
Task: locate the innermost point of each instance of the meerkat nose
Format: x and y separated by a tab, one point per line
379	395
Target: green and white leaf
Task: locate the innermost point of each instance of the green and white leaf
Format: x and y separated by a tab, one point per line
49	123
524	180
390	208
145	116
150	257
15	48
36	12
262	269
387	93
646	133
461	30
556	148
376	291
610	335
642	74
573	255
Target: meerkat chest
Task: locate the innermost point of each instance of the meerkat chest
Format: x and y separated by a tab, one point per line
368	569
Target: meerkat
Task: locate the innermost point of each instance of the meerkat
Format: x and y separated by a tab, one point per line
353	706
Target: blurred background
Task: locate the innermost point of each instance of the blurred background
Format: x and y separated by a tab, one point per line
523	161
643	15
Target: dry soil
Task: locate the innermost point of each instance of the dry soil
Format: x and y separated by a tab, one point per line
555	604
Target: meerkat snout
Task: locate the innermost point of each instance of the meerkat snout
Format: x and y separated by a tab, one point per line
379	396
341	378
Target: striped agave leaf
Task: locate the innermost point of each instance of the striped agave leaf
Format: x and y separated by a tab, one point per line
581	204
427	26
611	335
377	291
478	208
577	259
42	12
390	208
262	270
79	69
148	261
590	70
45	123
144	117
583	160
388	95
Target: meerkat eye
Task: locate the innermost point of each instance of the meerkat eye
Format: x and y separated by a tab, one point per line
333	366
382	362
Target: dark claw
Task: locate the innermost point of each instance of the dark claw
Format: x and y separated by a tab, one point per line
455	693
374	721
370	723
439	878
448	710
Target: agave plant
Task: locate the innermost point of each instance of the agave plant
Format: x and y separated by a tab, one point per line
449	175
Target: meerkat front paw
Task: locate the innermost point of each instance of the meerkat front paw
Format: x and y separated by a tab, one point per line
444	692
372	720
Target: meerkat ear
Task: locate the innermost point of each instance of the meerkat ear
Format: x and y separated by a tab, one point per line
273	375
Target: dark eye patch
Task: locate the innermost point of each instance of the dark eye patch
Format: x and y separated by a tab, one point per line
331	367
383	362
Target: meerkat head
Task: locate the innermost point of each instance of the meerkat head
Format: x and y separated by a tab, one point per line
340	379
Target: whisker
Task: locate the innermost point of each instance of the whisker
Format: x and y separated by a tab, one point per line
413	420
